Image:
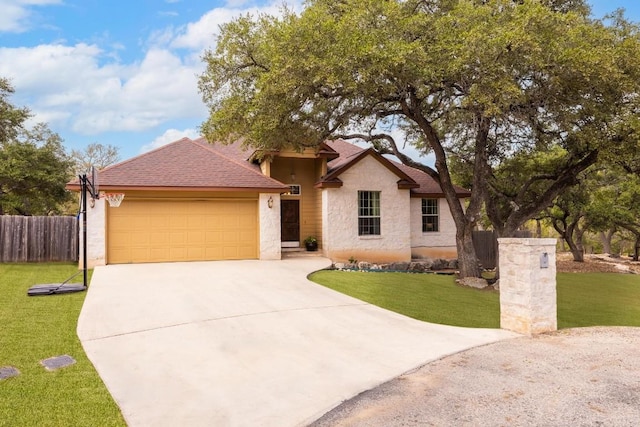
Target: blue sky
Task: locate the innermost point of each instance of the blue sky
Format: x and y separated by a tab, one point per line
125	72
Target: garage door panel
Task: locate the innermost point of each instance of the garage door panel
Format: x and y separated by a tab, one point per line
159	231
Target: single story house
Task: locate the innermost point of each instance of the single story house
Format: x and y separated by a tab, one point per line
193	201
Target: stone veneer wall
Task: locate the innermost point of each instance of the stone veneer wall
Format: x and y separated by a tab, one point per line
340	216
527	287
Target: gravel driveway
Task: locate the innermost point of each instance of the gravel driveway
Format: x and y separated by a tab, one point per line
574	377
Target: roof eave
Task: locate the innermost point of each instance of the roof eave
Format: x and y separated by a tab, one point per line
334	183
124	188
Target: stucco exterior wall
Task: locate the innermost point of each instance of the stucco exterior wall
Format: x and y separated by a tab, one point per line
340	216
440	244
96	234
270	245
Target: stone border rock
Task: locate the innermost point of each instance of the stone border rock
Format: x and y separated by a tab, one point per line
415	266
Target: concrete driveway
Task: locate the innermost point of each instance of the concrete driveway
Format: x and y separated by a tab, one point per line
246	343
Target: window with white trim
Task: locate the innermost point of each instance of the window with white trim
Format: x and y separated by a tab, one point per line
430	217
368	213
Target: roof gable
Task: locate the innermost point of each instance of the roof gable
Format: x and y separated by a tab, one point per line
332	178
426	185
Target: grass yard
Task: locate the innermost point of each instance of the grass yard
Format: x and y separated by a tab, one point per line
584	299
429	297
36	328
598	299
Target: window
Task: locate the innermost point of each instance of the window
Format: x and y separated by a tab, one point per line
294	190
429	215
368	213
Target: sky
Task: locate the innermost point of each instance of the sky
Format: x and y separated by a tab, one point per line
124	73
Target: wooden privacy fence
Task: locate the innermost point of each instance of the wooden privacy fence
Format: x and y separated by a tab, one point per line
486	246
38	238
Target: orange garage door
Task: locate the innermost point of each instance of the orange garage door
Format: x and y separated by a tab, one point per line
168	230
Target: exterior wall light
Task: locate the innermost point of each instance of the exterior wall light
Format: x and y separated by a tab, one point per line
270	202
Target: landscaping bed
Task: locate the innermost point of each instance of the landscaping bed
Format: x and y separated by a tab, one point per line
596	263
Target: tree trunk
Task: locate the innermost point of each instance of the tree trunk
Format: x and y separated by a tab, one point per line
577	252
605	238
566	231
467	258
636	250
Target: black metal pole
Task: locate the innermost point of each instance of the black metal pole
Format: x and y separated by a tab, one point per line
83	180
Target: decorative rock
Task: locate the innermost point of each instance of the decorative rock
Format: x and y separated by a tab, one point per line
417	267
427	263
8	372
338	266
439	264
496	286
375	267
399	266
363	265
473	282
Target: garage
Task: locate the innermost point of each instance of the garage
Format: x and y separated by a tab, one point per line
143	230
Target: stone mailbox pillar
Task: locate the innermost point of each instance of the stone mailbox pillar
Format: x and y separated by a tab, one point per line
528	285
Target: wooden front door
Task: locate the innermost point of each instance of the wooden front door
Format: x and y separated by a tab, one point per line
290	220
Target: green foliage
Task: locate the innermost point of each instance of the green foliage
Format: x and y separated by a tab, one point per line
11	117
36	328
34	170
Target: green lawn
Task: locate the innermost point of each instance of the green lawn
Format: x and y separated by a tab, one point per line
598	299
584	299
36	328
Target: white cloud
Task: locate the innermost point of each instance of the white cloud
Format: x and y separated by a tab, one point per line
16	13
200	35
97	98
86	89
169	136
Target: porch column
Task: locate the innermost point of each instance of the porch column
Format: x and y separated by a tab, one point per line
269	209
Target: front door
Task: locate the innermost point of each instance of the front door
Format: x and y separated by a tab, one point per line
290	219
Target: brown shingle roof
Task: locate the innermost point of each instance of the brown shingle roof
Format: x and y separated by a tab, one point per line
197	165
188	165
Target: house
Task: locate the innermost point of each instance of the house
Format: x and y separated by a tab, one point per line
190	200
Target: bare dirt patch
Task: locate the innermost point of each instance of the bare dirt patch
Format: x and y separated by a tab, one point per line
596	263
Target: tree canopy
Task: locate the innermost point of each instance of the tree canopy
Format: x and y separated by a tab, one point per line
487	83
34	167
12	118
